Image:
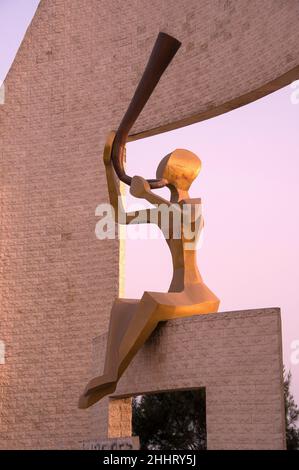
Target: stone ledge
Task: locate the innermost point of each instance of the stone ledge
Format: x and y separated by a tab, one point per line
236	356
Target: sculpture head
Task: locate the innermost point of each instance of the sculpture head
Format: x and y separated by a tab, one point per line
179	168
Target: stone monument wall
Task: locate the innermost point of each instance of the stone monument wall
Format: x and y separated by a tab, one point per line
236	356
70	83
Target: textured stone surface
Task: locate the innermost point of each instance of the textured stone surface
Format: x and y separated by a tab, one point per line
120	417
70	83
236	356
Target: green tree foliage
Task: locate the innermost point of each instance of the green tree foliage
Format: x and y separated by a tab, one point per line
171	420
292	415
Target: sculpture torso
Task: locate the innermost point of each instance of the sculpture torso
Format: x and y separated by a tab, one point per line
182	234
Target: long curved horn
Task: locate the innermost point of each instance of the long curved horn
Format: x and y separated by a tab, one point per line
162	54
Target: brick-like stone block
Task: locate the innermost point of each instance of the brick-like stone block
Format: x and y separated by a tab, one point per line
236	356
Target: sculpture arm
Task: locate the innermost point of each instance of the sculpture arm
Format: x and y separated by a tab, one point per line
115	198
140	188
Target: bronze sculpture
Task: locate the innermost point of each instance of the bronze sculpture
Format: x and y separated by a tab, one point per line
132	321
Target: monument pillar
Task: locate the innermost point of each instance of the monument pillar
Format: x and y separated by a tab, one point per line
236	356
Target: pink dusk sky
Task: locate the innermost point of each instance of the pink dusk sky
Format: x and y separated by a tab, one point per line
249	187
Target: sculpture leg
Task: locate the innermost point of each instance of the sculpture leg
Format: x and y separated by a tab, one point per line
131	323
155	307
130	327
121	313
140	327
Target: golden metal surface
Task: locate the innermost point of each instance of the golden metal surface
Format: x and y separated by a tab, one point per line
132	321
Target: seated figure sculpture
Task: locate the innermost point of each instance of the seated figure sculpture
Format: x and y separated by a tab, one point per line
132	321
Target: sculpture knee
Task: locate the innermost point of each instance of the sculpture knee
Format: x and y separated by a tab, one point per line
163	309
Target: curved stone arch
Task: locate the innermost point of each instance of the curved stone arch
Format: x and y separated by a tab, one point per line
264	90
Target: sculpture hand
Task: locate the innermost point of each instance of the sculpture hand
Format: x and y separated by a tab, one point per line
139	187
